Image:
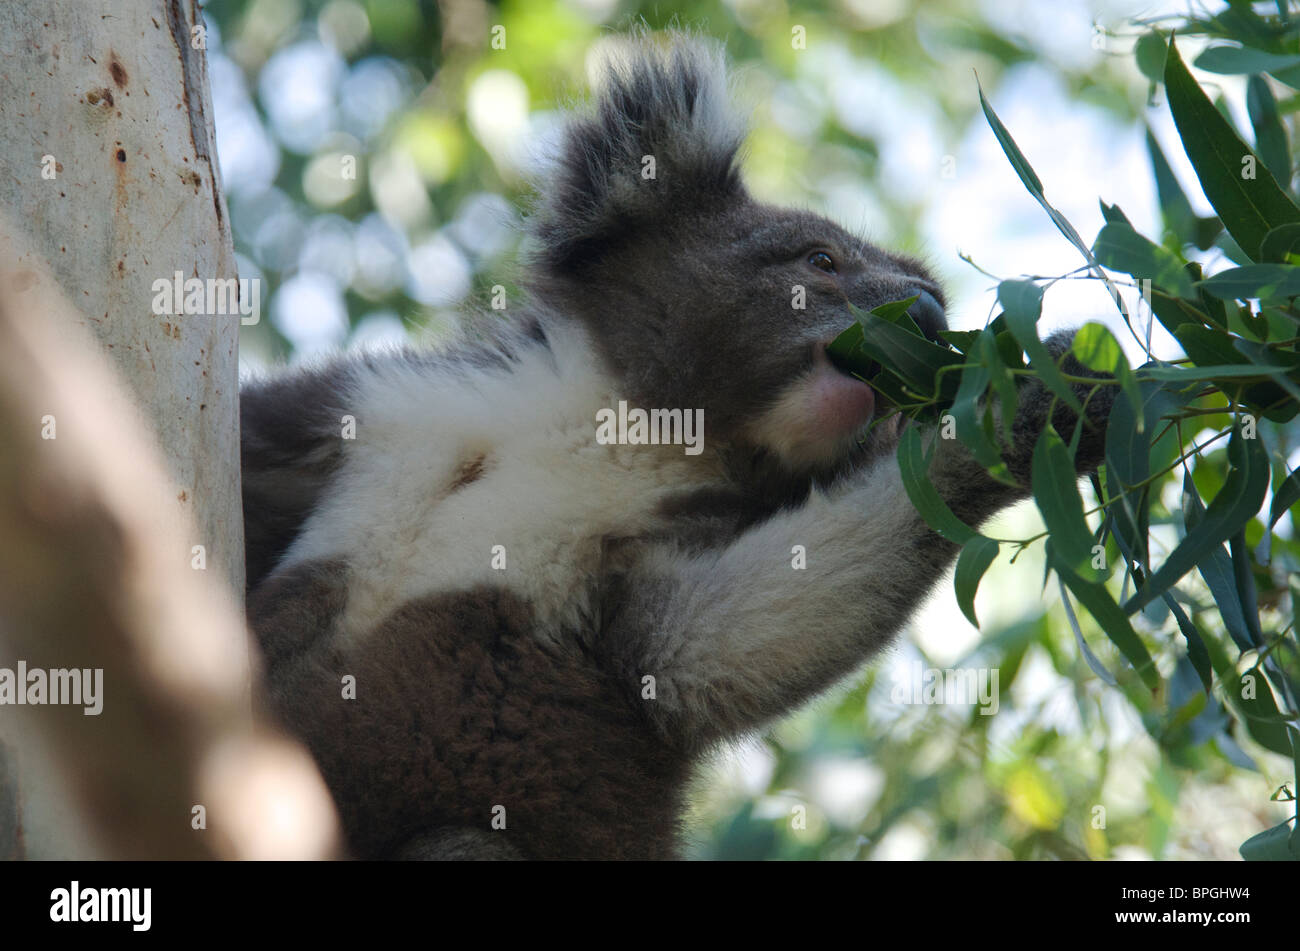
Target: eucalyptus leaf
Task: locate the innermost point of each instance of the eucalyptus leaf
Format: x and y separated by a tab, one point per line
1096	348
1270	134
1249	207
967	409
961	340
1190	375
1250	696
913	357
1244	584
1173	312
1284	497
1092	659
1032	182
1280	243
925	497
1210	348
1056	493
1022	303
1272	845
1235	60
1216	571
1120	248
973	561
1114	213
1265	281
1179	216
1196	651
846	348
1238	500
1150	53
1113	621
1129	434
989	353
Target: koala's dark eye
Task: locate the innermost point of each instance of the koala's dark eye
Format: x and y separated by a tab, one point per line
822	261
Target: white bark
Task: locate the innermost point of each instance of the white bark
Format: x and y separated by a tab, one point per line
114	99
166	759
108	173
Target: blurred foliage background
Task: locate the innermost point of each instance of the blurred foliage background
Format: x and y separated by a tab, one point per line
376	156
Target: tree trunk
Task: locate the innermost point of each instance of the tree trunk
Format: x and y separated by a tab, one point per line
108	168
147	727
109	163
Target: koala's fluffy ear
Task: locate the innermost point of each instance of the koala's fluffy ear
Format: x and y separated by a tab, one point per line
661	140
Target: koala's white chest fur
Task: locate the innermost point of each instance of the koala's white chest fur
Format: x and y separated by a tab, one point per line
488	477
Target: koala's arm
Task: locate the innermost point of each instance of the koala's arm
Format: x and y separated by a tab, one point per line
290	447
737	636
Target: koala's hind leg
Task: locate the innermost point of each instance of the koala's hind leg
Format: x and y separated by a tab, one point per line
452	843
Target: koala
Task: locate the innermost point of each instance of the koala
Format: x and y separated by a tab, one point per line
502	636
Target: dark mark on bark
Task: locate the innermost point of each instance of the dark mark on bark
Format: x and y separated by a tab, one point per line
192	69
470	471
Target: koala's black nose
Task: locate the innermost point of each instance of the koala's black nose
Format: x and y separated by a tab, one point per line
928	314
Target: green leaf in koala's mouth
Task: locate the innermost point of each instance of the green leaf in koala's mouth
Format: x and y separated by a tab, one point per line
887	349
887	337
845	351
844	355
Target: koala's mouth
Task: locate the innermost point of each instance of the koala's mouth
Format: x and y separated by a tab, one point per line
820	419
824	357
839	401
927	313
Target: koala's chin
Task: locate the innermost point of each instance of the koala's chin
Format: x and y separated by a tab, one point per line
825	420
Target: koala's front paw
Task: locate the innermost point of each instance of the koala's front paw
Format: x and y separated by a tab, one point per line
1036	402
972	493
